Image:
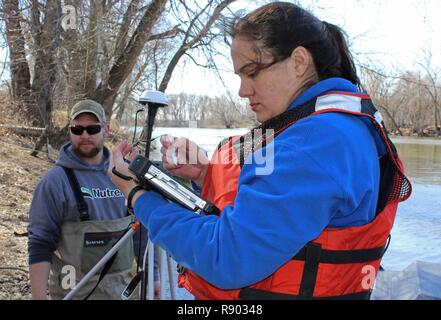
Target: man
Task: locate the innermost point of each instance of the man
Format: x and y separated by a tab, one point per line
73	224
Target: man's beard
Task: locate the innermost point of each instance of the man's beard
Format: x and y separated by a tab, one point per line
89	153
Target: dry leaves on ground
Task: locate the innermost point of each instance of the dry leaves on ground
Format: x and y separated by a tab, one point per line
19	174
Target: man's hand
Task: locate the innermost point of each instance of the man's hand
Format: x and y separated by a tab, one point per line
117	161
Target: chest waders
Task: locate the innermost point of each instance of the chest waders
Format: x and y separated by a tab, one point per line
82	245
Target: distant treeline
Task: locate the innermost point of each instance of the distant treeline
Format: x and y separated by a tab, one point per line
410	103
201	111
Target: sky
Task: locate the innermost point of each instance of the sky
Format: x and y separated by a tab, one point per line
389	34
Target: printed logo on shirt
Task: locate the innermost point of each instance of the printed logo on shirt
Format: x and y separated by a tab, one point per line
97	193
86	192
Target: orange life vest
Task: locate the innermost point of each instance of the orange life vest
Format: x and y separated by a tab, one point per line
341	263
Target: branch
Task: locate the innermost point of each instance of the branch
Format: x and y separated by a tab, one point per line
124	30
420	83
165	35
193	21
185	46
210	22
194	61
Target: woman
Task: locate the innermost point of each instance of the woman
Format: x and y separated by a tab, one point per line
317	224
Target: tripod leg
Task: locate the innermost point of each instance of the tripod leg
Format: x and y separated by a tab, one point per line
162	266
150	273
143	294
171	277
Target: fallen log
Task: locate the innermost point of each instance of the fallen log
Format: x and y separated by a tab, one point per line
24	131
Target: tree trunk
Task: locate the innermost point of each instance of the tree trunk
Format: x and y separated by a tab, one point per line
75	74
439	123
45	69
397	127
91	54
45	63
106	92
123	33
437	129
123	101
20	74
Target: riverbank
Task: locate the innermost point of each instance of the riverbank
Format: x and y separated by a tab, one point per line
416	235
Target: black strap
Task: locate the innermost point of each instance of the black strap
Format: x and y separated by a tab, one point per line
132	193
120	175
247	143
342	256
309	277
105	270
313	255
255	294
81	203
385	249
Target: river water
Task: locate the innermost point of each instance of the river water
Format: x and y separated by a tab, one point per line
416	235
417	231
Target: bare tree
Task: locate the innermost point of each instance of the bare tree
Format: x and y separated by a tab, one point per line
195	33
106	91
381	90
431	87
20	73
34	94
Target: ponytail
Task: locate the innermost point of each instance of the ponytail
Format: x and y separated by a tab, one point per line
345	63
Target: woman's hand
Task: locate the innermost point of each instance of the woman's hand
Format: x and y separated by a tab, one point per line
183	158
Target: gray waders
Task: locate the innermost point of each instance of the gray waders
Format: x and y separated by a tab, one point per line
81	246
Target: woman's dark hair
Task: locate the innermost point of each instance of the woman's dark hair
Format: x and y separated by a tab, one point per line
281	27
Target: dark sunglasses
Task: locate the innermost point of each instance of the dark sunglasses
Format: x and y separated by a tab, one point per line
92	129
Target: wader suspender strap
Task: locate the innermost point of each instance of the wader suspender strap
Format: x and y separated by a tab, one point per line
81	203
84	216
